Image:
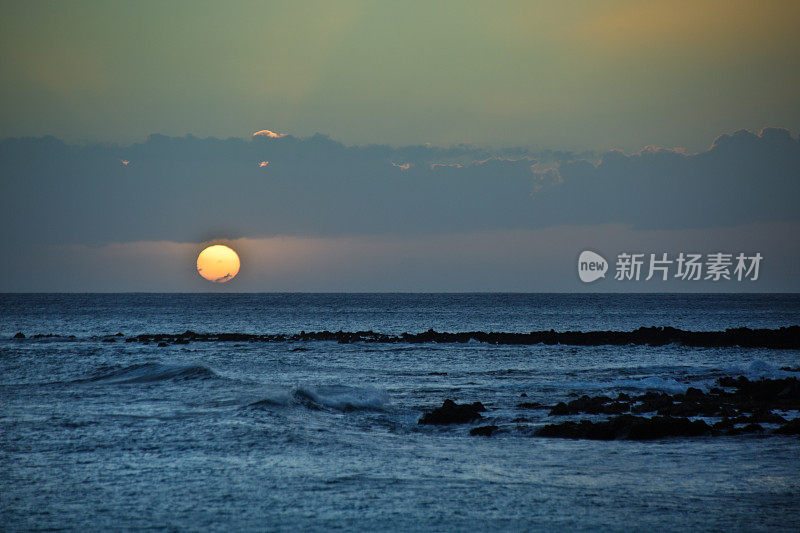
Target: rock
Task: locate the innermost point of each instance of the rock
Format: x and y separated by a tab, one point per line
162	344
627	427
483	431
591	405
531	405
792	427
19	335
724	424
765	416
693	393
652	401
749	428
756	398
452	413
781	338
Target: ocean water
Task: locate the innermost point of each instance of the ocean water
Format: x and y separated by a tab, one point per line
319	435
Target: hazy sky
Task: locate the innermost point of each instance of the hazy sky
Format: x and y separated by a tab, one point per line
420	146
566	75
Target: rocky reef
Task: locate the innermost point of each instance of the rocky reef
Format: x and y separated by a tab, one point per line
735	406
781	338
452	413
741	405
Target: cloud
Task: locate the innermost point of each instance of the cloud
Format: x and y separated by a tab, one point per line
269	134
403	166
189	189
742	177
262	164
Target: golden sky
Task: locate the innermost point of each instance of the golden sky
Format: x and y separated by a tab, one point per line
590	75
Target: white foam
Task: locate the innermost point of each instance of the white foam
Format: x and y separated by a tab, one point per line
648	383
344	398
338	397
760	369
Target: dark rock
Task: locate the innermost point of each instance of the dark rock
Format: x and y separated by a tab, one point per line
531	405
727	381
765	416
162	344
693	393
781	338
724	424
109	340
615	408
758	398
591	405
627	427
651	402
19	335
560	409
792	427
483	431
452	413
749	428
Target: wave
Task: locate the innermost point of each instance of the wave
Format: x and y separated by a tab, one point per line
759	369
336	397
153	372
705	380
654	383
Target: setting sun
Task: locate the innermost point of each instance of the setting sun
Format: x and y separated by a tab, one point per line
218	263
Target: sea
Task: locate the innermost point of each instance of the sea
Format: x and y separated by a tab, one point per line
101	434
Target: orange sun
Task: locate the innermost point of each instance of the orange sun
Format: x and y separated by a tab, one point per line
218	263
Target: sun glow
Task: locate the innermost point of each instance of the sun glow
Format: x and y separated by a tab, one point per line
218	263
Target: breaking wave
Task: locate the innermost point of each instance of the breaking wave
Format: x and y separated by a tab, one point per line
152	372
336	397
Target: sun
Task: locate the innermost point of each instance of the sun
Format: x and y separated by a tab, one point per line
218	263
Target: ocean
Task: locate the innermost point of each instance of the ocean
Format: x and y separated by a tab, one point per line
98	433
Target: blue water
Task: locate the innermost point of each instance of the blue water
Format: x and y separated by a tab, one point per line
321	435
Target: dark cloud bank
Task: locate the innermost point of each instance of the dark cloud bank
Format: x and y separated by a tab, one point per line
190	189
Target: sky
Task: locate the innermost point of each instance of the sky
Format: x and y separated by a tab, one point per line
422	146
559	75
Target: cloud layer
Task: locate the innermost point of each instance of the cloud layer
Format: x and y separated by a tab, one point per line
741	178
190	190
